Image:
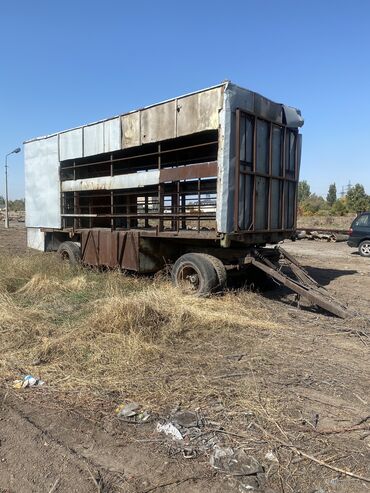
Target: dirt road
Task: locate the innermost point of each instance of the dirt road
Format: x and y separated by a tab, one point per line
307	383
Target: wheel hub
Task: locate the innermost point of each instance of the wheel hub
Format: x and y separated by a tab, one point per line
366	248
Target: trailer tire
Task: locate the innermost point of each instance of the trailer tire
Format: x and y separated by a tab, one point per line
194	274
364	248
220	270
68	250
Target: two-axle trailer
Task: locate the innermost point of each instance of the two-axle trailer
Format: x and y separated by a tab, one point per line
202	182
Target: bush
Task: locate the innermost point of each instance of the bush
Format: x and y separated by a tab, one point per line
339	208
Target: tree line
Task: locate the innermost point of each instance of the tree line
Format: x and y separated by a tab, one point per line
356	200
14	205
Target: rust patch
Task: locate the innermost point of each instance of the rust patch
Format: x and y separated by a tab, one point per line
202	170
110	248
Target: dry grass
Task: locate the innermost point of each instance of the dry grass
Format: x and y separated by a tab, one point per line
119	335
100	339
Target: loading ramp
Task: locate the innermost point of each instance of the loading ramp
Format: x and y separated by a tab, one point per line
287	271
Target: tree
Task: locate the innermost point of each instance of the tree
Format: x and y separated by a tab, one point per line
339	208
313	204
304	191
16	205
332	194
2	201
357	199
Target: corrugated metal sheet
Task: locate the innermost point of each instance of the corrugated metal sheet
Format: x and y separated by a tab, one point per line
93	139
131	180
70	144
42	189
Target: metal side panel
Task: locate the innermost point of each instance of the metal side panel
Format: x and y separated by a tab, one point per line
36	239
158	123
110	248
199	112
131	130
225	193
237	97
112	135
131	180
70	144
42	187
93	139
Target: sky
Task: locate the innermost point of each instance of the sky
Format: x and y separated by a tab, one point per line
66	63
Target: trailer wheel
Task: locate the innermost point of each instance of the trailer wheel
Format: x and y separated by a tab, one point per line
68	250
364	248
194	274
219	268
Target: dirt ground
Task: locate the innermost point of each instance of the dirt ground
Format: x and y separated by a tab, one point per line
309	384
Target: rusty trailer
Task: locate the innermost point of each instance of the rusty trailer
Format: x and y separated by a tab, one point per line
203	182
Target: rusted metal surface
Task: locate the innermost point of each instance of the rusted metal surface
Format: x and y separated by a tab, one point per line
203	170
158	123
169	169
262	175
184	115
199	112
110	248
303	284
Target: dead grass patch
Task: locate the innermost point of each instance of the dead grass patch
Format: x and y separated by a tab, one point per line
120	335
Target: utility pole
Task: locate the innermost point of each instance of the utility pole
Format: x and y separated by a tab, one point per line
18	149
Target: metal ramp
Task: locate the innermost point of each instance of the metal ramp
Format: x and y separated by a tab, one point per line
300	281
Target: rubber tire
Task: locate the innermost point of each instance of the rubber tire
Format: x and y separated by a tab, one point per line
365	242
69	249
203	266
220	270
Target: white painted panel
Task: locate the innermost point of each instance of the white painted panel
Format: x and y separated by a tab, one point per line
35	239
131	180
112	135
70	144
93	139
42	189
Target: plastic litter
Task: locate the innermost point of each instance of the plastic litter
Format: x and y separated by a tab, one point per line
127	410
28	381
235	463
170	430
271	456
143	416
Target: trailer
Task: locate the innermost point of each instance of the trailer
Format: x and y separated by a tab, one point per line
201	182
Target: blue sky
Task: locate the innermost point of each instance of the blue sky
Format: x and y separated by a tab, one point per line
66	63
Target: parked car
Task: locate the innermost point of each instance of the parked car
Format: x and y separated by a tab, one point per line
359	234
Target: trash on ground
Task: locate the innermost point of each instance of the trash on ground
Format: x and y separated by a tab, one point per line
127	410
271	456
170	430
28	381
186	419
234	462
143	416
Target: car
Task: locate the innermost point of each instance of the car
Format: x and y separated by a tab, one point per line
359	234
